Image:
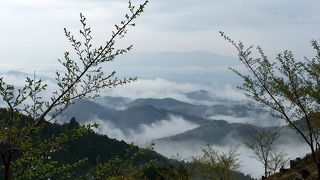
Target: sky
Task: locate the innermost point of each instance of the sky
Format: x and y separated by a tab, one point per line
32	35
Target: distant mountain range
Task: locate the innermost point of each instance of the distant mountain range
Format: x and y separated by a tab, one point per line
239	110
223	133
134	115
222	107
130	118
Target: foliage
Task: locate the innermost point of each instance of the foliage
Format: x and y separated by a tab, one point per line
262	143
288	86
115	158
301	168
215	165
34	158
20	144
125	168
117	168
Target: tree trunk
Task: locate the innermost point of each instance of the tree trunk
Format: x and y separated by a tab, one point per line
316	160
7	165
265	172
7	173
318	169
266	169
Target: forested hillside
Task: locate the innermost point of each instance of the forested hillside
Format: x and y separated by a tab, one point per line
113	156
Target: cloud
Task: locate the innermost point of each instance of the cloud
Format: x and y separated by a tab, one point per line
147	132
232	119
164	128
162	88
107	128
227	91
35	28
262	119
192	24
157	88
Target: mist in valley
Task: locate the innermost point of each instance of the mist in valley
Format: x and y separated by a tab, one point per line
162	131
187	149
159	131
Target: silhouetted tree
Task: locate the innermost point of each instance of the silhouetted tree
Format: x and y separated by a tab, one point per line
262	143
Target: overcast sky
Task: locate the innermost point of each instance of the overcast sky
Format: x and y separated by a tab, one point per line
31	31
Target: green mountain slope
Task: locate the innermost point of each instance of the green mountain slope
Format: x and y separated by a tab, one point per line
221	132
